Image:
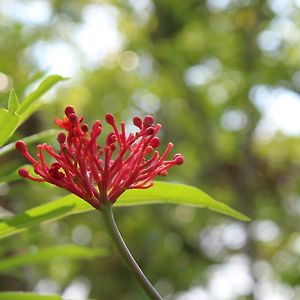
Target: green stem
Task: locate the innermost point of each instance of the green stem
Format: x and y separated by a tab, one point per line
132	265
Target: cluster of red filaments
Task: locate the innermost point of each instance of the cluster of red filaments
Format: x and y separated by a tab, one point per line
99	174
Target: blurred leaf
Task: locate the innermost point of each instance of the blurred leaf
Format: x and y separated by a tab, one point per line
29	140
30	104
8	168
11	176
27	296
50	211
9	119
14	175
5	213
162	192
44	255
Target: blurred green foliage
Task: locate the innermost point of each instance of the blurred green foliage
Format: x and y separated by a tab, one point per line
198	66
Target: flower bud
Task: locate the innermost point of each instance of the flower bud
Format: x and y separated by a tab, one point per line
149	131
61	138
23	172
21	147
97	128
110	119
84	127
149	149
178	159
163	173
69	110
137	122
73	118
155	142
148	121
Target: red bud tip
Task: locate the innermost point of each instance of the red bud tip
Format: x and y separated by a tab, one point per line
149	149
149	131
61	138
97	124
137	122
69	110
84	127
148	121
23	172
178	159
163	173
110	119
97	128
155	142
73	118
21	147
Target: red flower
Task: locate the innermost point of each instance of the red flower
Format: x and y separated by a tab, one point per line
98	174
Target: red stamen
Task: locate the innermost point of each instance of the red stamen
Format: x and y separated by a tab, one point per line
138	122
148	121
23	172
84	127
61	138
21	147
178	159
155	142
110	119
69	110
149	131
73	118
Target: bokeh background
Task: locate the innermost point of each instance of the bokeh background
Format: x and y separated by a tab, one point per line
223	77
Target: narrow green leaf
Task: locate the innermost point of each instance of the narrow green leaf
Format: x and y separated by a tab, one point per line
29	140
27	296
51	211
9	119
29	104
162	192
13	102
44	255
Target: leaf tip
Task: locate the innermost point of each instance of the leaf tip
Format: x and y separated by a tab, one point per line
246	219
59	77
13	101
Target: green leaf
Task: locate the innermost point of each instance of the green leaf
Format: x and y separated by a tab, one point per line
29	140
164	192
13	102
44	255
12	175
161	192
9	119
8	170
27	296
30	103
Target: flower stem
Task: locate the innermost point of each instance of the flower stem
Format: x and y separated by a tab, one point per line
132	265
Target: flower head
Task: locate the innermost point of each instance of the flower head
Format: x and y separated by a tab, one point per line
98	173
